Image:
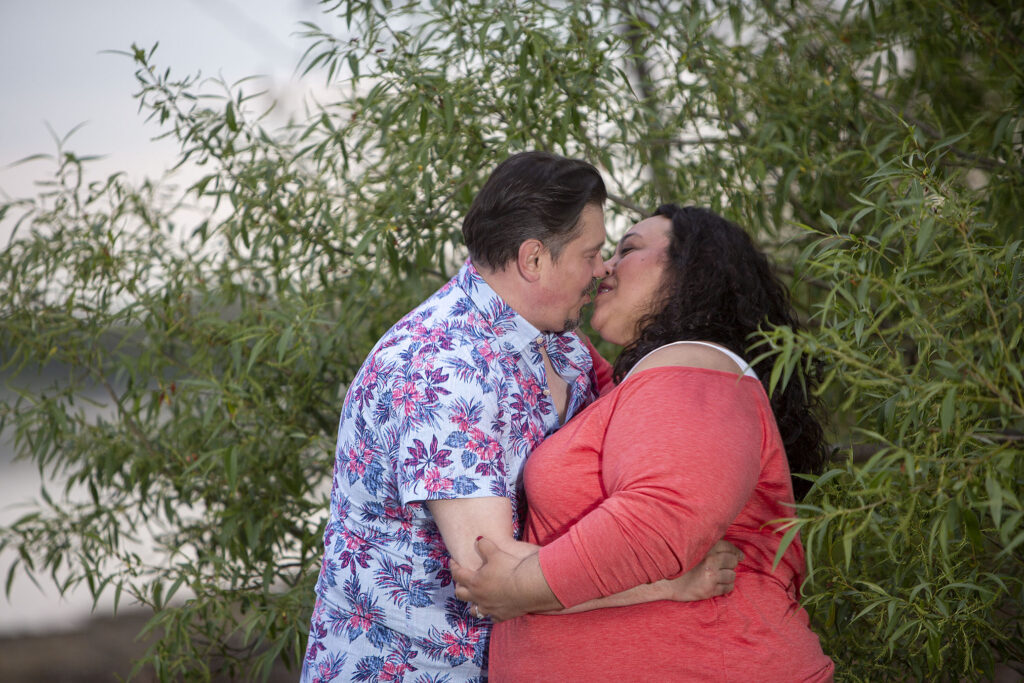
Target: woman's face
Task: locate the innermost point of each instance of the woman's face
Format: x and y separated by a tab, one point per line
633	287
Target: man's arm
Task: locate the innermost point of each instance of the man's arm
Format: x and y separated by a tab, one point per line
462	520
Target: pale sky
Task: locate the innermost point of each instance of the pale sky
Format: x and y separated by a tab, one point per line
53	70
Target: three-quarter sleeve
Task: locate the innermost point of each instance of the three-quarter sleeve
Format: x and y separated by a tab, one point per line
680	457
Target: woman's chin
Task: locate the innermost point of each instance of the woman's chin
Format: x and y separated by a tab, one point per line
606	334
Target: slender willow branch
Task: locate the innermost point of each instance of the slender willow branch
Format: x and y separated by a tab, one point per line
636	27
863	452
979	161
622	201
813	281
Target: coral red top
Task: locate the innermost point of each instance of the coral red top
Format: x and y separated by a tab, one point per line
637	488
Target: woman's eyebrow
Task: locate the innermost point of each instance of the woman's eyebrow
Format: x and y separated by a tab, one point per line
625	238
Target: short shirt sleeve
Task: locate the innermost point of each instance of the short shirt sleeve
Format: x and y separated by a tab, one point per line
447	442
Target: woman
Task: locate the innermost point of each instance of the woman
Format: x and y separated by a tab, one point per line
686	449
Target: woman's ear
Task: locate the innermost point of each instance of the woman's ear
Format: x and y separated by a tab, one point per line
529	259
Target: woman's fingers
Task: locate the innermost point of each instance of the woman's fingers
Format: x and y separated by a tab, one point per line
726	581
464	577
730	555
486	548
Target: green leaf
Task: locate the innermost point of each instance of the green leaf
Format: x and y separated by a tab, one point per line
848	537
254	355
229	117
10	577
973	530
284	343
175	586
1011	546
231	468
995	498
948	410
784	544
925	236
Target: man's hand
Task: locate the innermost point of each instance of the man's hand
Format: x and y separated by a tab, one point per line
714	575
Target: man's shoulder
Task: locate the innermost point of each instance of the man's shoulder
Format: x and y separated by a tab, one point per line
443	334
450	301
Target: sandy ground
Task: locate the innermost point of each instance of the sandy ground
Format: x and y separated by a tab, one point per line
103	650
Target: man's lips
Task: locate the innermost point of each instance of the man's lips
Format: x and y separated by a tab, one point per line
602	288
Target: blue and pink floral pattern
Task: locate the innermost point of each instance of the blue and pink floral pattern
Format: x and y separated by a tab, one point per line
449	404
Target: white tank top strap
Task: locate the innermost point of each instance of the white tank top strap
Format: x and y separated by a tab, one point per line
747	370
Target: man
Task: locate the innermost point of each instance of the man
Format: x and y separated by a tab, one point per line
439	420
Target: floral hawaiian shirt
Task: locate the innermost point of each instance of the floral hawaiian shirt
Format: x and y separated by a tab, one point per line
449	404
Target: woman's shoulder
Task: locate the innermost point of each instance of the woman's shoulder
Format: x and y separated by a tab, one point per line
702	356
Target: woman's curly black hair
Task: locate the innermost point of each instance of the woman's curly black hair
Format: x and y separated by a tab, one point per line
720	288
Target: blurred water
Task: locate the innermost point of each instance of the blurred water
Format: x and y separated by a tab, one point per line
29	608
37	609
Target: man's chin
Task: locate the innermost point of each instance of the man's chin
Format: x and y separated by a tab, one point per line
570	324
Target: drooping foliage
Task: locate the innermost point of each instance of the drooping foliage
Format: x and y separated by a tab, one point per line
873	147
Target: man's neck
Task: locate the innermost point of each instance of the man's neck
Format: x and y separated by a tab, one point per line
512	289
516	293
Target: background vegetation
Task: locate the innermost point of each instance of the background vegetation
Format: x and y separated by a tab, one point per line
874	146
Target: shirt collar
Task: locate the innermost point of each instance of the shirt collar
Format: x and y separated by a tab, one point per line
508	326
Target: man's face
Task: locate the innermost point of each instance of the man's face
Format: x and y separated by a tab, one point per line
566	282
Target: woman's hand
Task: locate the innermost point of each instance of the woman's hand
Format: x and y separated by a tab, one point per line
714	575
509	584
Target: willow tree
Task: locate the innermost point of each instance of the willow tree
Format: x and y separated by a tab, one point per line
873	146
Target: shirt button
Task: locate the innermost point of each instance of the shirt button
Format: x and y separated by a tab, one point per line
539	340
547	392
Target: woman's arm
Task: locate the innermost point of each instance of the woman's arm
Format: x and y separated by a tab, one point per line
666	506
714	575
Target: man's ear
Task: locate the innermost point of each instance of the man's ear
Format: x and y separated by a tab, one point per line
530	259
